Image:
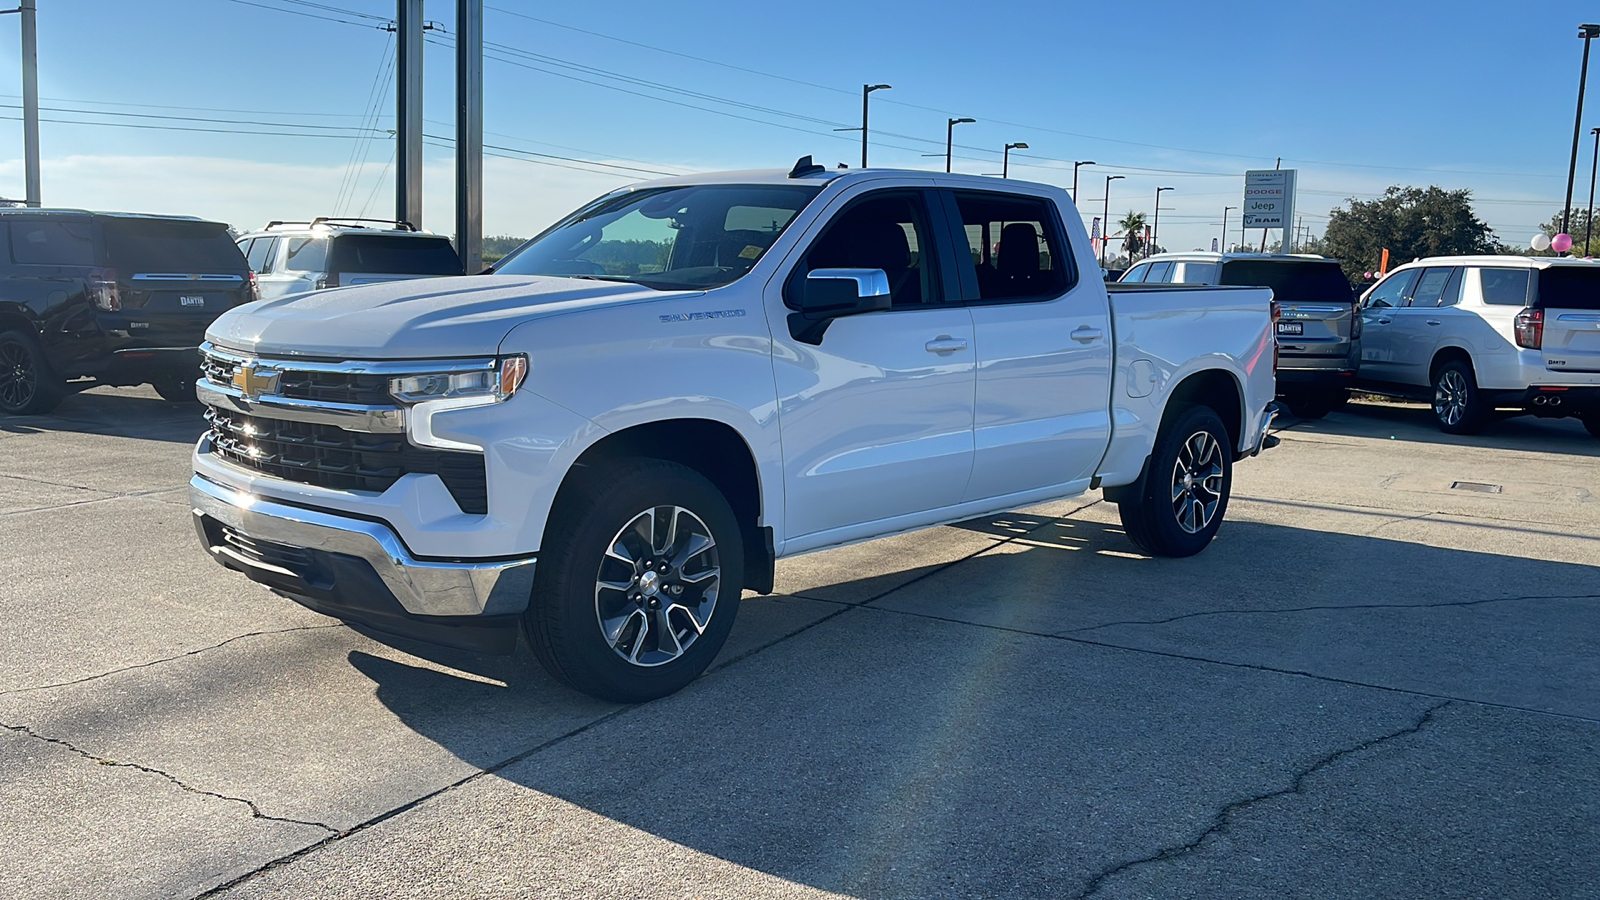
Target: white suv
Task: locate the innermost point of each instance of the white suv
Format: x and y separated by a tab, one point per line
1474	334
295	257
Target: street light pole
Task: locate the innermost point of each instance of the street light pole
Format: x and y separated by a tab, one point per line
1005	160
1075	165
949	138
1105	220
1155	229
1588	33
1225	227
865	90
1588	224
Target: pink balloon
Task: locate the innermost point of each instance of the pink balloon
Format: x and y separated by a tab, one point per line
1561	243
1369	275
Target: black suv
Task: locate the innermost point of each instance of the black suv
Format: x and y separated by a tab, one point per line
120	297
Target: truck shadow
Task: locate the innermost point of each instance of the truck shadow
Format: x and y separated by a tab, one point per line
124	412
1414	422
1014	723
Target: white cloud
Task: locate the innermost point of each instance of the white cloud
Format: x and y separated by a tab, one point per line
519	198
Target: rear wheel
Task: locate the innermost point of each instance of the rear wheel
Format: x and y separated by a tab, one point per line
28	386
1178	504
1457	406
638	581
176	389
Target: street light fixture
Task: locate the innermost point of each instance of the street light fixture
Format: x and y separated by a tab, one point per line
1105	220
865	90
1075	166
1225	227
1155	229
1588	33
949	137
1005	159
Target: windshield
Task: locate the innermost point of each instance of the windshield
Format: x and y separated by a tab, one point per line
673	238
152	245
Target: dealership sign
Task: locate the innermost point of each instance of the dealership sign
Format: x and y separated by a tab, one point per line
1268	198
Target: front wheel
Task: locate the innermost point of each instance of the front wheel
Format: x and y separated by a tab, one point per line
1178	504
1457	407
28	386
638	581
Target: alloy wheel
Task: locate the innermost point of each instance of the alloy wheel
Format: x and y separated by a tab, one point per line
19	378
1197	477
657	585
1450	397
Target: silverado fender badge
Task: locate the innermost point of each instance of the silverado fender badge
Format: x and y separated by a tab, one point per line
696	316
253	382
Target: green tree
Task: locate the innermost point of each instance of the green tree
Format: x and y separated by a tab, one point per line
1577	226
1411	223
497	246
1132	226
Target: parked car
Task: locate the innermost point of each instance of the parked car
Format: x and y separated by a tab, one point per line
1319	333
1476	334
122	297
295	257
647	405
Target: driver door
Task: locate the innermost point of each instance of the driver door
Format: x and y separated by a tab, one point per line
876	418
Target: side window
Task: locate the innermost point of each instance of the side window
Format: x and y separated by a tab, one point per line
1136	274
304	254
1452	291
1393	291
259	253
48	243
1015	247
1430	287
1504	287
1161	272
882	231
1196	273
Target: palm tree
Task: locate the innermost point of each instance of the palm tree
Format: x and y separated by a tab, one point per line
1133	234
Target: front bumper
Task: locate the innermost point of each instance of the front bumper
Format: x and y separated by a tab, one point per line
361	572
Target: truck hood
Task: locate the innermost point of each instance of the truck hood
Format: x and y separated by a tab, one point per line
421	319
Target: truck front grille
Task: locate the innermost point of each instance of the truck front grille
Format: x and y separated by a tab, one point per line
357	388
330	457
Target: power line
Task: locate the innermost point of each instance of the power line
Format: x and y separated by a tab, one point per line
347	137
296	12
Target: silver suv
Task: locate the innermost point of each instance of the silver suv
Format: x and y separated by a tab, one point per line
295	257
1319	334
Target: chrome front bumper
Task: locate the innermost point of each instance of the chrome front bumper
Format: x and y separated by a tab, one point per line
421	587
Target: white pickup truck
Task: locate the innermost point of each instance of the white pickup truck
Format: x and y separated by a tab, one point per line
625	424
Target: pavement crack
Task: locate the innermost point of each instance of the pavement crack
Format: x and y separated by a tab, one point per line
1400	520
1328	608
1223	817
167	659
255	811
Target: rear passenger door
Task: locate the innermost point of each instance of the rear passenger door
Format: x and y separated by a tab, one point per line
1044	347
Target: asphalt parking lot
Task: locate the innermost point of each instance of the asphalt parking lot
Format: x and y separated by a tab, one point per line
1373	684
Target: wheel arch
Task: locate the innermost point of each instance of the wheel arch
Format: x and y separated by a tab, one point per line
12	317
718	452
1448	354
1217	388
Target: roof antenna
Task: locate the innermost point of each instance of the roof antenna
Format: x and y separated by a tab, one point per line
804	166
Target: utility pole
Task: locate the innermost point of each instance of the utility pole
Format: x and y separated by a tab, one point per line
408	112
30	97
469	134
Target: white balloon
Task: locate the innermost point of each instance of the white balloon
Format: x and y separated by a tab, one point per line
1540	242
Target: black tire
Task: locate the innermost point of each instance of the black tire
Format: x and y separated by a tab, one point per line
1315	403
176	389
28	386
1457	406
1160	520
603	511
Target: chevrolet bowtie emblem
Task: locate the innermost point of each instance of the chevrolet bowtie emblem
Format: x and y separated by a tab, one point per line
253	382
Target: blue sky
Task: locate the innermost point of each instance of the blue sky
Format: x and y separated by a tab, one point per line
1356	95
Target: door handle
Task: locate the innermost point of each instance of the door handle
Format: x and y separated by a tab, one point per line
1083	334
944	343
1434	322
1383	321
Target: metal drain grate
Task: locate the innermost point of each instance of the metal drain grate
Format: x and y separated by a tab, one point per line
1475	486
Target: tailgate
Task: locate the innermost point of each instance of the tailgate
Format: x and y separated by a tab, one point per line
1316	328
1569	296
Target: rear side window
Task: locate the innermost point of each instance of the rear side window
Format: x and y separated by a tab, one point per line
1504	287
1196	273
1014	245
304	254
47	243
147	245
1158	272
1569	287
1430	287
1393	291
1292	281
259	253
383	254
1135	274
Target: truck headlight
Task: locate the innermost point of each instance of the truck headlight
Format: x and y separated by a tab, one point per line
428	394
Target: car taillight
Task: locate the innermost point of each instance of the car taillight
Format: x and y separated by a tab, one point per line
1530	329
1277	312
330	280
1276	309
255	287
1355	323
102	289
